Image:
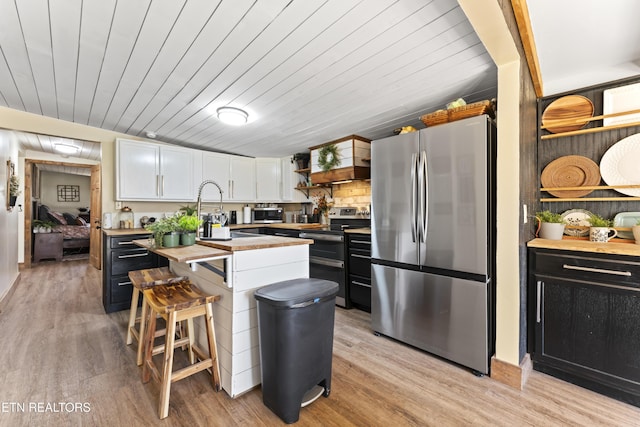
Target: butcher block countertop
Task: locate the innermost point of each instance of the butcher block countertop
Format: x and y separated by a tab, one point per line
184	253
221	248
587	246
124	231
261	241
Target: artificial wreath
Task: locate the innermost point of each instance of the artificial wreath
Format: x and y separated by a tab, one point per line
328	157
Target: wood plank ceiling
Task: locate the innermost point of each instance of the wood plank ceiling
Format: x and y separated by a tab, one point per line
306	71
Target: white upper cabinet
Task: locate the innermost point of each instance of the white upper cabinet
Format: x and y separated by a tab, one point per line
268	180
148	171
216	167
243	179
235	175
289	180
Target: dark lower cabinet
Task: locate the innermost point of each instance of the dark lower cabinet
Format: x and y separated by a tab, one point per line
120	255
359	270
584	322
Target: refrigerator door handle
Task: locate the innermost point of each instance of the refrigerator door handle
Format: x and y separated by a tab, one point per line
423	188
414	195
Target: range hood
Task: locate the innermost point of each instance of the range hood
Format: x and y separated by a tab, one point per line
354	154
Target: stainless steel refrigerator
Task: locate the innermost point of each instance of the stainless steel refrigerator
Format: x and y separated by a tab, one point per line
433	232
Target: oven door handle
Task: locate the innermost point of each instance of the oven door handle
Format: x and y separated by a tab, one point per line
325	261
325	237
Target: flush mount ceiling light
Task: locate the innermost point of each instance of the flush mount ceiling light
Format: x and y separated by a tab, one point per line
66	148
151	135
232	116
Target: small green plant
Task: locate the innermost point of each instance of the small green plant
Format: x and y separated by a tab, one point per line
548	216
188	210
14	186
598	221
163	226
189	223
41	223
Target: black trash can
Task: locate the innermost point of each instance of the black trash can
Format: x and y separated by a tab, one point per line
295	325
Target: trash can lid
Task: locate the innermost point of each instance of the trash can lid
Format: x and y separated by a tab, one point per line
296	291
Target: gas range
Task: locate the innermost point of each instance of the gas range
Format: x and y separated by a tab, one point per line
341	218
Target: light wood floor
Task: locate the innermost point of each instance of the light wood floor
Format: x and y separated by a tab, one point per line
58	345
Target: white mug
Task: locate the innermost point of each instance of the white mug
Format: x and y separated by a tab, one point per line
601	234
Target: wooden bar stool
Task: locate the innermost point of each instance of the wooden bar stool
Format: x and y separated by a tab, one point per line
144	279
177	302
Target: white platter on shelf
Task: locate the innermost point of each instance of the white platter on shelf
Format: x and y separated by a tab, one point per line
577	217
623	98
626	219
619	165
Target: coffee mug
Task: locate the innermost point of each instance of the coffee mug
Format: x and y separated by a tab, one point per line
601	234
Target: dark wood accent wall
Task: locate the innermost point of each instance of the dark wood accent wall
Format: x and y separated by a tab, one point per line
592	145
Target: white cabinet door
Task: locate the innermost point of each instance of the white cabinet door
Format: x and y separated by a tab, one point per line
243	179
216	167
148	171
290	180
268	180
137	170
177	173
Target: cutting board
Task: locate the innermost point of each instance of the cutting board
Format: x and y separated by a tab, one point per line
567	114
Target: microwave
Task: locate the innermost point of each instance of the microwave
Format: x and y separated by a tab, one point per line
266	215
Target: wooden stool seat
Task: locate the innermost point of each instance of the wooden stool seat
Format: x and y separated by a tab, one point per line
177	302
144	279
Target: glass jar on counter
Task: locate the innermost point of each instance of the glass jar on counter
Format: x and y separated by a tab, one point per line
126	217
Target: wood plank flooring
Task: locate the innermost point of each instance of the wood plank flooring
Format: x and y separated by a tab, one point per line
59	348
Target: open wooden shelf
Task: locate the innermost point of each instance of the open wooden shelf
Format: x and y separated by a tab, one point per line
590	199
590	130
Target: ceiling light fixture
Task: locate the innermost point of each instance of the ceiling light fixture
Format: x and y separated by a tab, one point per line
151	135
67	148
232	116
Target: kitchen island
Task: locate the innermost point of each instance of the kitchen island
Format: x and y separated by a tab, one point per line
234	269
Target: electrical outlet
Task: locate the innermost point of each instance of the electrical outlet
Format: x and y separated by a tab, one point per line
118	205
525	214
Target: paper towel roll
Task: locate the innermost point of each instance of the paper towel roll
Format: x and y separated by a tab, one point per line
246	215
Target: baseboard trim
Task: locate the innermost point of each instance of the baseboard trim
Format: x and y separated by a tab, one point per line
5	299
511	375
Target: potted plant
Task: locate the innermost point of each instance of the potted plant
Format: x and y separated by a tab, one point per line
14	190
302	160
189	225
551	225
165	231
188	210
636	232
40	226
600	230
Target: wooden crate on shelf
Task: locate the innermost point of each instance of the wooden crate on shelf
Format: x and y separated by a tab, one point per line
458	113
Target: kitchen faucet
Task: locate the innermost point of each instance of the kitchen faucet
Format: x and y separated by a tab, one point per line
205	182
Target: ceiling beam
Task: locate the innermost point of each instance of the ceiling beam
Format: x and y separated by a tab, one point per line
521	12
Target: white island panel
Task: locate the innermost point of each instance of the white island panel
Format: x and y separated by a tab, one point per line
235	314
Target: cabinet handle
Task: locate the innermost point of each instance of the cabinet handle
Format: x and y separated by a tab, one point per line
597	270
133	255
281	234
538	301
124	283
355	282
364	242
231	188
157	185
360	256
162	184
129	242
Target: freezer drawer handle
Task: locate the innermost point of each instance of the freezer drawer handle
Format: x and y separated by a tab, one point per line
325	237
134	255
128	242
597	270
355	282
360	256
326	261
124	283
